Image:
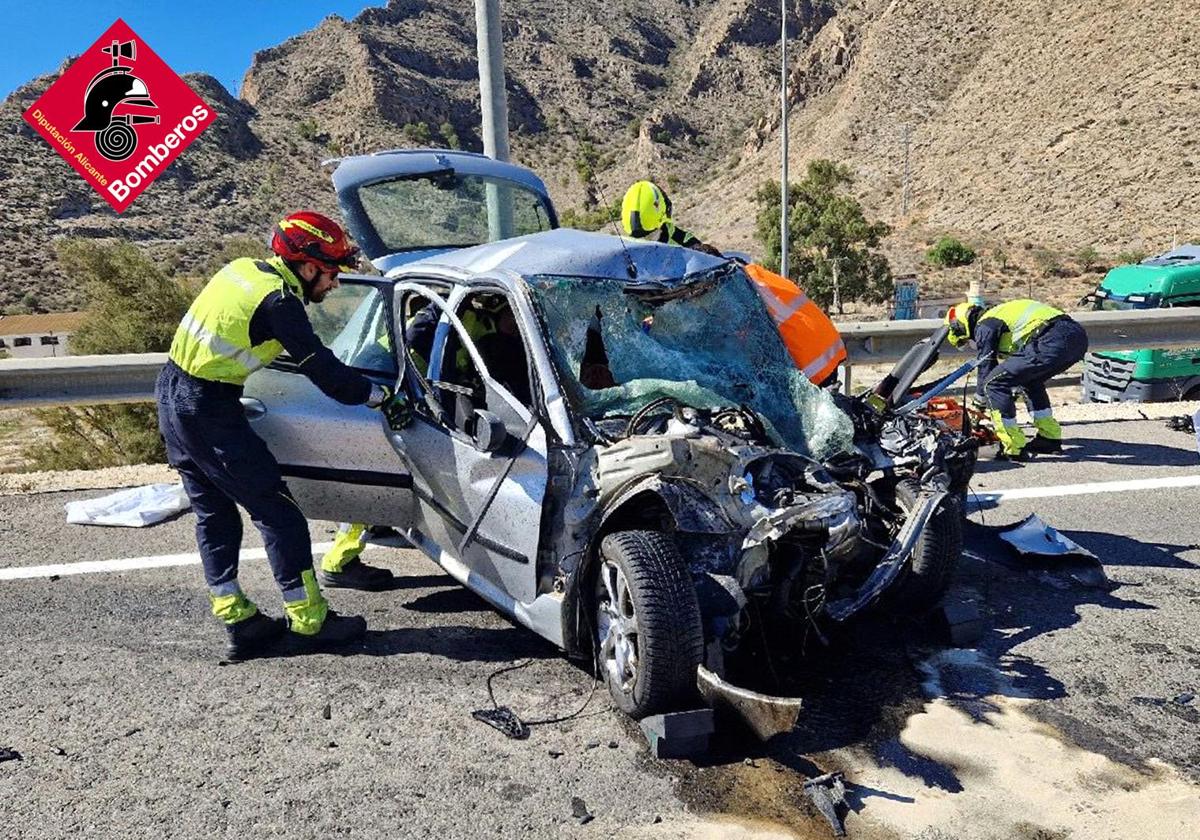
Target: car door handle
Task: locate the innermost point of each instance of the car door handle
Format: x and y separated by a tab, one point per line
253	408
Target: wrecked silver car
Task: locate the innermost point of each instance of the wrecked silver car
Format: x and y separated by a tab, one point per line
612	446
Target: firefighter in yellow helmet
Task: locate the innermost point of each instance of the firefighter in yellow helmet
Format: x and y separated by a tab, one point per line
1021	344
646	213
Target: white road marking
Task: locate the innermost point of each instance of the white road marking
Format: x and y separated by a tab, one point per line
976	499
88	567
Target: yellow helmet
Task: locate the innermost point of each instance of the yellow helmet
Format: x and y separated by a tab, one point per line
961	319
644	209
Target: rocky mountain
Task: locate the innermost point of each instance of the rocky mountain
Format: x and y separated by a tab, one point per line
1034	126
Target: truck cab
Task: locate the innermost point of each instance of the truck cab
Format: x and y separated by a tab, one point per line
1147	375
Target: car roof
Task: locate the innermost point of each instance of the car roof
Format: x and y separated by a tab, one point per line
573	253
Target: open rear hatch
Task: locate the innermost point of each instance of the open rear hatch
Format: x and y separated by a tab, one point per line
408	204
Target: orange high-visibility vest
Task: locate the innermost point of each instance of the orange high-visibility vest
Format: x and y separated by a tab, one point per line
812	339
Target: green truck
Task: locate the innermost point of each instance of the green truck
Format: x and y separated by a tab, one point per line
1172	279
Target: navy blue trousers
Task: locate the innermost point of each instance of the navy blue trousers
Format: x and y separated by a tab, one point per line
1060	345
223	464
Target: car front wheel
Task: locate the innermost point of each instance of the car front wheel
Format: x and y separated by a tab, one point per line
935	555
647	623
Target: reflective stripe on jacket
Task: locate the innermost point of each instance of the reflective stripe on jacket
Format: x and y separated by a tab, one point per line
812	339
1023	317
213	339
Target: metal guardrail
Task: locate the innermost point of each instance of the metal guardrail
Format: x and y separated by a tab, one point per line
79	380
76	380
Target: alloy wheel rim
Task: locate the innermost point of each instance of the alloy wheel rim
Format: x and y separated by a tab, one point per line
617	628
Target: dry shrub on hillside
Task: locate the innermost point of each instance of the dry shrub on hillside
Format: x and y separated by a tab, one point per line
133	307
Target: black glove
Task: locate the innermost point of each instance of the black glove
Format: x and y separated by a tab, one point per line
394	405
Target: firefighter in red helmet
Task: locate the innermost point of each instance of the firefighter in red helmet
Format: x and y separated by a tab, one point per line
249	312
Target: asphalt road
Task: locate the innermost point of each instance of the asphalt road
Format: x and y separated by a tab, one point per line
1069	717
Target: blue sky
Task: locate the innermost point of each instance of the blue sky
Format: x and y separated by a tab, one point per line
218	38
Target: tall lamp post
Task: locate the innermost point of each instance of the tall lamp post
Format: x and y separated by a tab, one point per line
783	123
493	108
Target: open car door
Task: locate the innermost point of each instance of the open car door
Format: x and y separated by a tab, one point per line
337	459
476	447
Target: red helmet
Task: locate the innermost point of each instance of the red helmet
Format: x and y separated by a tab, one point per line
310	237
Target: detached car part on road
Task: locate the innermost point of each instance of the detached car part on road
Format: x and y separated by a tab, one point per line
611	445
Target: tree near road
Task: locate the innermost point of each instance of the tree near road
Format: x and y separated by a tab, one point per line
832	254
133	307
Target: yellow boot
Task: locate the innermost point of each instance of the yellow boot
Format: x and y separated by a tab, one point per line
347	545
342	568
1009	432
1048	440
312	624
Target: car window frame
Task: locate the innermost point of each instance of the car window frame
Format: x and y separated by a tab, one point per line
448	304
385	287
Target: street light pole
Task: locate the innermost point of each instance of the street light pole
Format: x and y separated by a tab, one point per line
493	100
493	108
783	137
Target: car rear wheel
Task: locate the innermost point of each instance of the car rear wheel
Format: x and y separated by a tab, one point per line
647	623
935	555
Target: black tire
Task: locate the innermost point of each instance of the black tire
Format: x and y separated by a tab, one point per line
935	555
655	588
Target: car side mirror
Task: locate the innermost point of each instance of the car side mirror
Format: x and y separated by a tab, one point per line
487	431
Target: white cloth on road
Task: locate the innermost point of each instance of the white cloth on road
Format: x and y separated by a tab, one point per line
136	507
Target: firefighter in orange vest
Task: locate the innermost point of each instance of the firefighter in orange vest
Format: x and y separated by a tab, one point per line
812	339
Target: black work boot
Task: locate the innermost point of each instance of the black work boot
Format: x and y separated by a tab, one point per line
358	575
1024	455
336	630
252	637
1044	446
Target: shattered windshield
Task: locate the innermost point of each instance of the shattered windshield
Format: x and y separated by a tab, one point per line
708	342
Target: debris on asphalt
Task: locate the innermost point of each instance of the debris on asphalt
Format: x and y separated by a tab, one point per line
504	719
1181	423
9	755
136	507
129	733
766	715
612	745
1034	539
679	734
960	622
1033	536
327	712
1184	699
591	745
555	753
58	751
579	810
828	793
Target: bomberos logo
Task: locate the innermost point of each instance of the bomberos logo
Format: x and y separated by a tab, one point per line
131	115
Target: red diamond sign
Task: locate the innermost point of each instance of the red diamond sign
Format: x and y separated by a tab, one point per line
119	115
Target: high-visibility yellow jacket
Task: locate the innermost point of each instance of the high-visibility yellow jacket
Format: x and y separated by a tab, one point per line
1023	317
213	339
812	339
